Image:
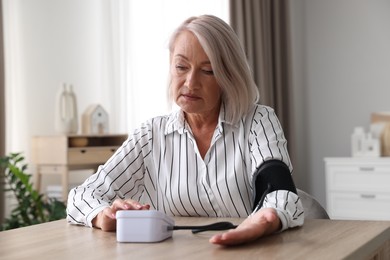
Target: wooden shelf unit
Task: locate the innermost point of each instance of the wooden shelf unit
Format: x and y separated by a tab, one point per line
60	154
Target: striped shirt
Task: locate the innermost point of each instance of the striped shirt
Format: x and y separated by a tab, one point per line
159	164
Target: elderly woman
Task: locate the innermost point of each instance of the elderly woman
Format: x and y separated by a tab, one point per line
219	155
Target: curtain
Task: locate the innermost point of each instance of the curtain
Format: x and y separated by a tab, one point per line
262	26
2	110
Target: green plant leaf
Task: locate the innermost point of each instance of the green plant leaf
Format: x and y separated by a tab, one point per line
32	208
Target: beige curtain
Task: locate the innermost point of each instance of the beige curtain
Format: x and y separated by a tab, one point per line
263	28
2	109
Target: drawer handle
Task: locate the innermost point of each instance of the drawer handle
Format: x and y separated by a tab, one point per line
113	150
367	196
83	151
367	169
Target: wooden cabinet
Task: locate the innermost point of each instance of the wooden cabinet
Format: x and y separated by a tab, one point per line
59	154
358	188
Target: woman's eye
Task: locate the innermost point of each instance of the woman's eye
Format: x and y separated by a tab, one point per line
208	72
180	67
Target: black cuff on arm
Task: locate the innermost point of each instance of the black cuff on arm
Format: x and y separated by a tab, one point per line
271	176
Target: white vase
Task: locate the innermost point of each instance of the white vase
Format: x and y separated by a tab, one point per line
66	111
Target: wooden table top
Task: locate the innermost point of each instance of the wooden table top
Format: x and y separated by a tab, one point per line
317	239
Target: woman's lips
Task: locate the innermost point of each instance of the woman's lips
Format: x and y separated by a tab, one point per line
190	97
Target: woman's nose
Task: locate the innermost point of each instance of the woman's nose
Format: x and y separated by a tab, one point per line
192	80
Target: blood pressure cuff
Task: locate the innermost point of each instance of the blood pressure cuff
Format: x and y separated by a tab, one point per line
272	175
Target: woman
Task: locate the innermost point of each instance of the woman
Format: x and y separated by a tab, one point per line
203	159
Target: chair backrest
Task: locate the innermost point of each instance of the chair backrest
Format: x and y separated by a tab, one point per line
312	208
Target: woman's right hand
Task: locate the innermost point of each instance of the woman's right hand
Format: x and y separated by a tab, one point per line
106	219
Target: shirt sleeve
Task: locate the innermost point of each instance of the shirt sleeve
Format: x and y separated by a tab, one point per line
121	177
267	142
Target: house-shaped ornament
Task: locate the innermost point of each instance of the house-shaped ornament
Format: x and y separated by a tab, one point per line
95	120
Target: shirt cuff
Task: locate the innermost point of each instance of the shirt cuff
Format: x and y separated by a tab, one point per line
93	214
288	207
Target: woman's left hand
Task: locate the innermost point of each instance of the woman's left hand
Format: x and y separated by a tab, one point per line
263	222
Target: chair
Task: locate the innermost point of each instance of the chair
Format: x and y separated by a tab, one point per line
312	208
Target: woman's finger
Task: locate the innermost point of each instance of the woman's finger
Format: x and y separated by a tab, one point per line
128	205
125	205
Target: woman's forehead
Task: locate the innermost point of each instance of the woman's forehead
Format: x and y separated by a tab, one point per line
188	46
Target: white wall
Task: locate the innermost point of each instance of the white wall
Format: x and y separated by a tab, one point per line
341	75
52	42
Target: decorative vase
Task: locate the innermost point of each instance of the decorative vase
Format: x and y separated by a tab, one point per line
66	111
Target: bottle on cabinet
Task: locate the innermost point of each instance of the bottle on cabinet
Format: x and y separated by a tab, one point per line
66	121
364	144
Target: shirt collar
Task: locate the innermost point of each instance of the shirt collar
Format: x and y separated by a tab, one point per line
176	122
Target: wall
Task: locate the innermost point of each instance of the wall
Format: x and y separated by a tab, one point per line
41	63
341	61
300	173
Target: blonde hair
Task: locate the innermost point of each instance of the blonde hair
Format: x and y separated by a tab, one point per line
228	60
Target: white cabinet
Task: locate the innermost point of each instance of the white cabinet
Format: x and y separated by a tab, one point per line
358	188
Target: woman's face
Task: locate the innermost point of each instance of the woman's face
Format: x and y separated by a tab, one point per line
193	84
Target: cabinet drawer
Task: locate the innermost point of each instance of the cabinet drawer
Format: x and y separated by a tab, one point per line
355	178
90	155
360	206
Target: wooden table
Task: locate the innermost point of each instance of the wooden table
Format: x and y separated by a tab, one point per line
317	239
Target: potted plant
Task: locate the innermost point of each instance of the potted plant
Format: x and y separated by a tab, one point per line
32	207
